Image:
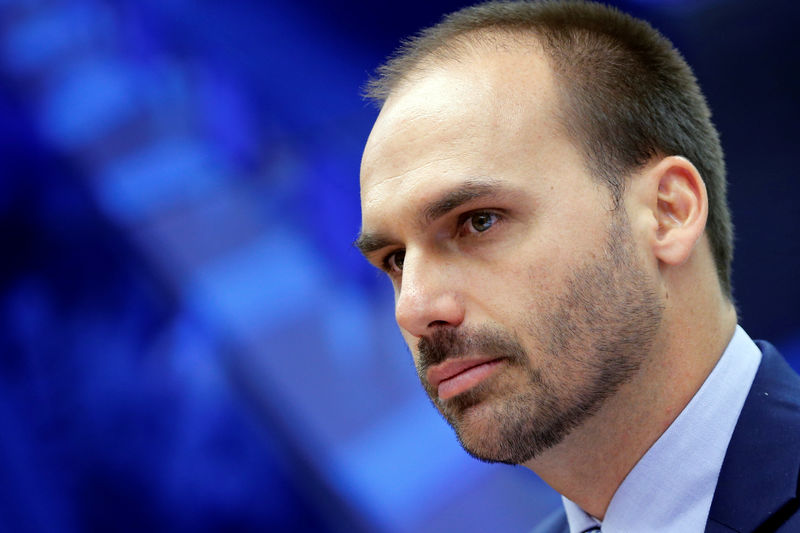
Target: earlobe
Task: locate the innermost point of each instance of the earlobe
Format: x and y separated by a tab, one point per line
681	209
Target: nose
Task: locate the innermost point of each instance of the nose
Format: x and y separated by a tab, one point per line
430	295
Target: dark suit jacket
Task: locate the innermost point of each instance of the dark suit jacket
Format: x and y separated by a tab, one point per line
757	490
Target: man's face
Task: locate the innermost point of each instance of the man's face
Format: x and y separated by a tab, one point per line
518	287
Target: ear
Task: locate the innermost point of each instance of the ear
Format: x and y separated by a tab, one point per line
681	208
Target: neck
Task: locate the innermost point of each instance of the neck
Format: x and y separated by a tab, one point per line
590	464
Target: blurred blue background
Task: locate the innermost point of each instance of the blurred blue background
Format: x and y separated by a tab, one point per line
190	343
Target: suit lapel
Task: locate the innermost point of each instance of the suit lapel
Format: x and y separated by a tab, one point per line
758	482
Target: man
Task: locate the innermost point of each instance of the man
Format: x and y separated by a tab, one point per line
546	192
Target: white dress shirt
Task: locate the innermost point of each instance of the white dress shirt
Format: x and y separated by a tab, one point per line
671	487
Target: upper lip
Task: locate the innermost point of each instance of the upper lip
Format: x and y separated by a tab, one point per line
452	367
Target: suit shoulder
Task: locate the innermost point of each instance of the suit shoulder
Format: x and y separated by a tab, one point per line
757	487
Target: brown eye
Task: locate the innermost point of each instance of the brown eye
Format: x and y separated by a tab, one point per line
480	222
394	261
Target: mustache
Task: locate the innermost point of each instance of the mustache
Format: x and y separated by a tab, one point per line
447	342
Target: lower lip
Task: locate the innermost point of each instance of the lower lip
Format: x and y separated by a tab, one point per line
467	379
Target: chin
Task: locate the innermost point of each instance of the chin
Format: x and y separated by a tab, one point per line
509	429
483	433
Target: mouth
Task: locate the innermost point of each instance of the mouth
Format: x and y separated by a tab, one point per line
455	376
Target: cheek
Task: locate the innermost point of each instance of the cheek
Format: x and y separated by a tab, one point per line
543	272
510	290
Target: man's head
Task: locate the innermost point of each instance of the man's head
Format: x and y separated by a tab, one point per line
531	275
625	93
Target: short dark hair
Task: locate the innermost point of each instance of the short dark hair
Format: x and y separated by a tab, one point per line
627	93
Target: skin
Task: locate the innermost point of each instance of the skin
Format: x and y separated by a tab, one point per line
475	144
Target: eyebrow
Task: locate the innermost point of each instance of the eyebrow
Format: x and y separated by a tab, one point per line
370	242
450	200
466	192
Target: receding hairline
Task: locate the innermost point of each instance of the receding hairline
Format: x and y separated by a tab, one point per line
476	45
458	48
473	44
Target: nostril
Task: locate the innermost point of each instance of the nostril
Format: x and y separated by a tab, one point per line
438	323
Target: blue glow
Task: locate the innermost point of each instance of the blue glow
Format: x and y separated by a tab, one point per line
48	35
171	170
259	286
388	466
87	101
344	329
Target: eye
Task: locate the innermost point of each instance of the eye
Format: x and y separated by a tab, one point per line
479	221
393	263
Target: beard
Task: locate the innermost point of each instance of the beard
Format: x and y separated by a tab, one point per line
591	339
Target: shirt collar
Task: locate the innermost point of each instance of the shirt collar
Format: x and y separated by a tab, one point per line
672	485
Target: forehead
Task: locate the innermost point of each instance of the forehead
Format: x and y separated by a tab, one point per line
458	120
488	89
